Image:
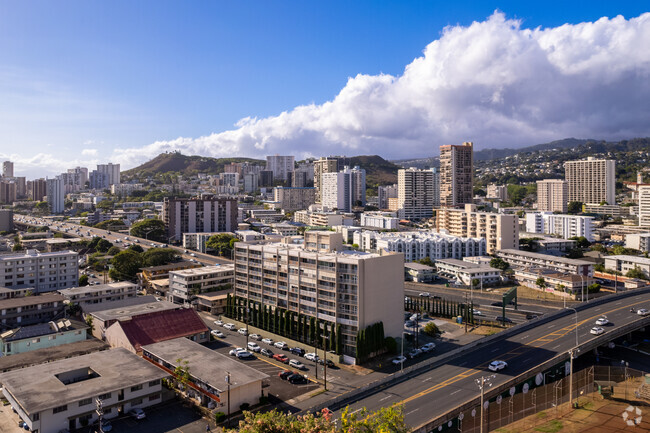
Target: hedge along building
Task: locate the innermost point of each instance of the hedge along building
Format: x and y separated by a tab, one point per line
344	292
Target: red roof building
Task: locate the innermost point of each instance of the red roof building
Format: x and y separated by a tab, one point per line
134	332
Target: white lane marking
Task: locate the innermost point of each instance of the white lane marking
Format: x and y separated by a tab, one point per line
597	309
494	350
428	379
357	410
619	303
525	336
408	413
386	398
551	326
526	360
456	392
556	346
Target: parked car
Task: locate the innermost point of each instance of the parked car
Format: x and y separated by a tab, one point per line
497	365
267	341
244	354
233	352
281	357
497	304
297	379
503	319
242	331
105	426
399	360
218	322
330	363
597	330
254	347
297	364
477	312
256	337
284	375
218	334
429	347
409	324
311	356
297	351
531	316
415	353
416	316
266	352
230	326
137	413
281	345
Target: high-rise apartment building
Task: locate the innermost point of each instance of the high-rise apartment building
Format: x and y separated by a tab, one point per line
7	192
500	230
643	192
293	199
456	174
565	226
591	180
384	193
55	191
198	215
40	272
112	171
552	195
251	182
37	189
415	193
266	179
344	190
21	186
435	185
322	166
498	192
8	169
345	291
98	180
281	166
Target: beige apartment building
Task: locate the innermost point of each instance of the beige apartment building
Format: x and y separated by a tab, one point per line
293	199
351	289
591	180
322	166
456	174
552	195
499	230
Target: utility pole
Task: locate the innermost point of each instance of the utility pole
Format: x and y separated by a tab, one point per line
466	312
482	382
571	377
228	382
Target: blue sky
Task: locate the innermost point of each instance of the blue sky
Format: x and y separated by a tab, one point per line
79	79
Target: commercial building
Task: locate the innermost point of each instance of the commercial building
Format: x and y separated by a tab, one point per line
526	259
6	220
281	166
197	241
344	189
347	290
112	172
624	264
463	272
55	195
415	193
41	336
195	215
380	220
456	174
498	192
552	195
266	179
61	395
591	180
27	310
208	371
184	285
421	244
293	199
565	226
50	354
384	193
40	272
137	331
248	235
86	295
501	231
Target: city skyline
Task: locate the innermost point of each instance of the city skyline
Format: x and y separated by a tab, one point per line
413	81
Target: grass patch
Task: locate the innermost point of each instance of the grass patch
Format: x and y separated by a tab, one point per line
552	426
585	404
541	415
315	393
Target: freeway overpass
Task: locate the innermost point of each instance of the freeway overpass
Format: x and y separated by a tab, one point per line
433	391
85	231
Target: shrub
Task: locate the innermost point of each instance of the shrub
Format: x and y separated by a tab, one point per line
219	417
244	406
431	329
391	345
264	399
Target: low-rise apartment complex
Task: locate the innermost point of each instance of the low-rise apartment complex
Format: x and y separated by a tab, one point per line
40	272
380	220
624	264
41	336
526	259
184	285
27	310
83	296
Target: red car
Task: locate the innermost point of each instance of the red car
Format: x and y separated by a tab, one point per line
281	357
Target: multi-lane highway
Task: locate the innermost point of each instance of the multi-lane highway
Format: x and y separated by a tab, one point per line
118	239
441	389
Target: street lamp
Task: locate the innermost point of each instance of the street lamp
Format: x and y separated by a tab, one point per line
401	364
482	383
576	318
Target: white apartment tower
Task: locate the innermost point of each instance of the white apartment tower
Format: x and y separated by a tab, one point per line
415	193
111	170
344	189
644	205
591	180
55	191
552	195
281	166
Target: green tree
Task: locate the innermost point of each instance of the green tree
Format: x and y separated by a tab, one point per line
113	250
599	267
126	264
540	282
182	372
636	273
137	248
221	244
109	224
150	229
103	245
574	207
105	205
593	288
499	263
83	280
159	256
581	241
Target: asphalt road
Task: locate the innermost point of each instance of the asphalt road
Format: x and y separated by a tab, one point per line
439	390
89	232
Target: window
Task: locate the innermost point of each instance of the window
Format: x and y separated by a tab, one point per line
59	409
154	382
36	417
105	396
154	397
136	402
136	388
85	402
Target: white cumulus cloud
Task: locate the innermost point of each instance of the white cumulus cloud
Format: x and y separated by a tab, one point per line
493	82
89	152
